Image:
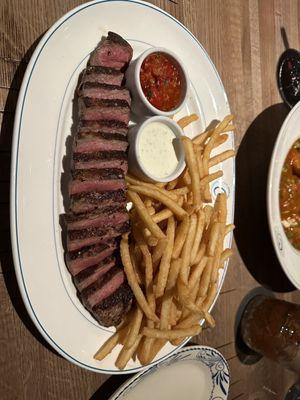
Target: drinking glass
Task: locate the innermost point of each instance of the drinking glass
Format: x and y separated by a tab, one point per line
271	327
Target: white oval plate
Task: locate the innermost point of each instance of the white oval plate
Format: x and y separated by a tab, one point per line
194	372
288	256
42	125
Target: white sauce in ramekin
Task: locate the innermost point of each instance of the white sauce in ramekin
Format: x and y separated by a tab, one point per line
158	149
181	380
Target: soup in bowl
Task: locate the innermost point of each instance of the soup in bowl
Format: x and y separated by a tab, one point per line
283	196
289	195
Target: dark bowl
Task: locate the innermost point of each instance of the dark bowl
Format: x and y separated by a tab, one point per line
288	77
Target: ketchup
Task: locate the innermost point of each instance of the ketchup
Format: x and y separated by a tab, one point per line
161	81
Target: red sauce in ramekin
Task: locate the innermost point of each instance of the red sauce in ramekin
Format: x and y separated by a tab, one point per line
161	81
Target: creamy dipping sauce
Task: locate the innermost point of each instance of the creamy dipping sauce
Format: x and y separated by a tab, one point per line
181	380
158	149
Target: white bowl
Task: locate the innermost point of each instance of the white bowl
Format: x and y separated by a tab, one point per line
288	256
140	104
193	372
134	160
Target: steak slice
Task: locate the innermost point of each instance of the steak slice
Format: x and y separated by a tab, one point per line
94	144
91	274
114	52
87	237
102	231
97	174
112	309
100	155
103	287
102	219
97	134
104	75
78	260
100	180
91	201
116	164
95	184
94	109
88	101
109	125
104	92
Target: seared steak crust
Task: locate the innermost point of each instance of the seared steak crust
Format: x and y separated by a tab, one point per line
94	102
111	310
92	232
92	269
100	155
83	134
98	174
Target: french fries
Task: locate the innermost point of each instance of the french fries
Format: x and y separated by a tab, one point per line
134	328
155	194
145	216
110	344
180	238
187	248
192	164
175	252
185	121
198	234
166	259
171	334
126	353
132	279
220	157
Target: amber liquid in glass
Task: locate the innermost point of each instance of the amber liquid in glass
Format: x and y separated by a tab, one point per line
271	327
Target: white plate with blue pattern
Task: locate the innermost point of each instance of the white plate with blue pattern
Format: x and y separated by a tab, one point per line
42	127
194	373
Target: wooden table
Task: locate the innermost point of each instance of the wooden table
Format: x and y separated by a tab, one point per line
244	41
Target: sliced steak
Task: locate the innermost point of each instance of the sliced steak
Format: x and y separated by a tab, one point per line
104	75
95	185
112	309
100	180
86	237
109	125
118	164
78	260
114	52
95	102
97	219
91	201
94	109
96	134
104	92
91	274
97	213
109	231
103	287
97	174
100	155
89	145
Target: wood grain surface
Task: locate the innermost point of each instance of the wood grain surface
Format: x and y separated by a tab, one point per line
243	39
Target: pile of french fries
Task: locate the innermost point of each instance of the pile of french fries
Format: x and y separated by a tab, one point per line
173	255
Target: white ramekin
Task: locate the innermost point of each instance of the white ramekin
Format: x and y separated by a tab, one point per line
134	161
140	104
